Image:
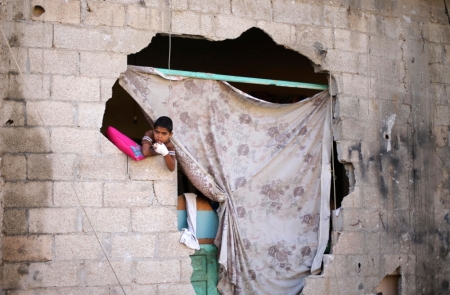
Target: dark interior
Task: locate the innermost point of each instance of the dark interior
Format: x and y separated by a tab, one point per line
253	54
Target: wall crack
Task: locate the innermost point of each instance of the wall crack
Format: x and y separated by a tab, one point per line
446	11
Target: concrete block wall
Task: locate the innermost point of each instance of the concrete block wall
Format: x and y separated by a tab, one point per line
388	62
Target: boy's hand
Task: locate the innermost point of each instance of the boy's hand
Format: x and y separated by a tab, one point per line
161	149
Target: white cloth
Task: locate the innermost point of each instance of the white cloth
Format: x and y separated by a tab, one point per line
189	235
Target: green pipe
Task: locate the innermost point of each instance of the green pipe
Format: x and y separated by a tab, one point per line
241	79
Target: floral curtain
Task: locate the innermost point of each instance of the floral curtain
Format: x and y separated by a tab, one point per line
269	166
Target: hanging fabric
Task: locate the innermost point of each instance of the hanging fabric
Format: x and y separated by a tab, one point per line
269	166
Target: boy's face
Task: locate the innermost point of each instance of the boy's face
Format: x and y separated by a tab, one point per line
162	135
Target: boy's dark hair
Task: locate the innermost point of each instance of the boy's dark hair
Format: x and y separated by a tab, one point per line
164	122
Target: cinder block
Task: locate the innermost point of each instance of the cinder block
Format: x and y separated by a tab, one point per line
31	34
151	168
12	113
138	38
24	140
28	194
107	147
140	17
176	289
100	273
30	248
89	193
54	274
372	198
16	11
74	140
348	285
21	57
37	86
311	36
105	14
104	167
51	61
350	243
387	89
62	11
353	200
154	272
344	61
49	166
133	246
75	88
169	246
261	10
436	53
112	220
392	27
14	167
441	134
4	82
336	17
385	47
128	194
180	5
297	13
214	6
366	22
154	219
64	290
186	270
53	220
280	33
77	247
186	22
14	275
230	27
437	33
316	285
166	192
134	290
81	38
54	113
354	85
351	41
90	114
102	64
106	86
14	222
442	115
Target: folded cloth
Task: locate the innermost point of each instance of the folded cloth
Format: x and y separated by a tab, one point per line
189	239
189	236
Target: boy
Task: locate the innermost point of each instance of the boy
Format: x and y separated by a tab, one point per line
157	142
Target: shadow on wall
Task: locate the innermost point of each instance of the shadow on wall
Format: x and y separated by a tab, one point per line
31	217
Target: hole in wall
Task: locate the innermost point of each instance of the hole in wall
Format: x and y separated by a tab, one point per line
123	113
386	136
38	10
253	54
343	172
390	284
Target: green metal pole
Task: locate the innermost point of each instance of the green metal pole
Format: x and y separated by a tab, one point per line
241	79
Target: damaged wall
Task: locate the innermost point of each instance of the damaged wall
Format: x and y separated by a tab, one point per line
389	62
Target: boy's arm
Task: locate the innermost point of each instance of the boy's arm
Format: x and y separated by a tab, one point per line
147	145
170	161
